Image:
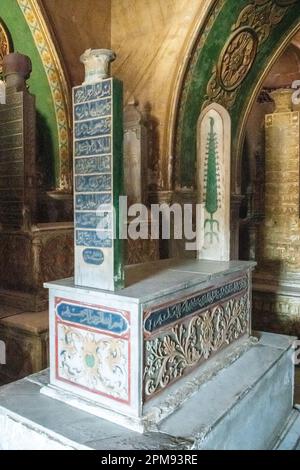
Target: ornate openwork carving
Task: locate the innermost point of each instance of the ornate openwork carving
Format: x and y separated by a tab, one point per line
187	344
5	43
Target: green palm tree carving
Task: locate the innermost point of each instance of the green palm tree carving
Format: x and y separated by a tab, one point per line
212	179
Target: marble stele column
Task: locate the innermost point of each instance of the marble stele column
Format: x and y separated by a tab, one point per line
98	174
277	280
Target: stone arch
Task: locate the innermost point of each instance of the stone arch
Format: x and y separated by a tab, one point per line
28	27
235	49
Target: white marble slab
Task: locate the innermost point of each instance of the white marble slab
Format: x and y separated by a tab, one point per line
153	280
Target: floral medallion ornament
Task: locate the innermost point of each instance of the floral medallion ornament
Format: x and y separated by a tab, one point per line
253	26
5	43
237	58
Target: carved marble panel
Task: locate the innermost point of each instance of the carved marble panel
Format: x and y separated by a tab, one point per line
96	91
88	147
93	348
179	336
93	109
213	181
93	165
94	239
92	201
93	128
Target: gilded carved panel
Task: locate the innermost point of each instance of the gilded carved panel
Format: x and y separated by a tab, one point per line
251	29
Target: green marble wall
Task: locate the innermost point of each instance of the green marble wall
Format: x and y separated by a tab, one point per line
23	42
199	72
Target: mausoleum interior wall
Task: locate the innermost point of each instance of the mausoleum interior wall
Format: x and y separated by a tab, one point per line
152	40
277	309
79	25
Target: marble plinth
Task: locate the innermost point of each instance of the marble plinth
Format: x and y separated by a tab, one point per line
244	402
121	355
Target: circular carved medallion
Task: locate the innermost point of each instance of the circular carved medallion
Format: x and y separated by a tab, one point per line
5	42
237	58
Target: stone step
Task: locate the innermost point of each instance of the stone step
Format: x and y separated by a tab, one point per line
246	405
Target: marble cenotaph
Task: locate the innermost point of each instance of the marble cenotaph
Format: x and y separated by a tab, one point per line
121	352
166	362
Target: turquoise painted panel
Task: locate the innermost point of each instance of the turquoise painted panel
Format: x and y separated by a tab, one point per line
92	92
93	165
177	311
93	109
101	319
94	220
92	201
93	256
97	239
90	147
93	128
93	184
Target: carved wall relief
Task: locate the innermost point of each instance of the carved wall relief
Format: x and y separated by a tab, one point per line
194	335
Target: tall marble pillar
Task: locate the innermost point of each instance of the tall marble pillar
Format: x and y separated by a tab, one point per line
281	241
276	283
98	173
